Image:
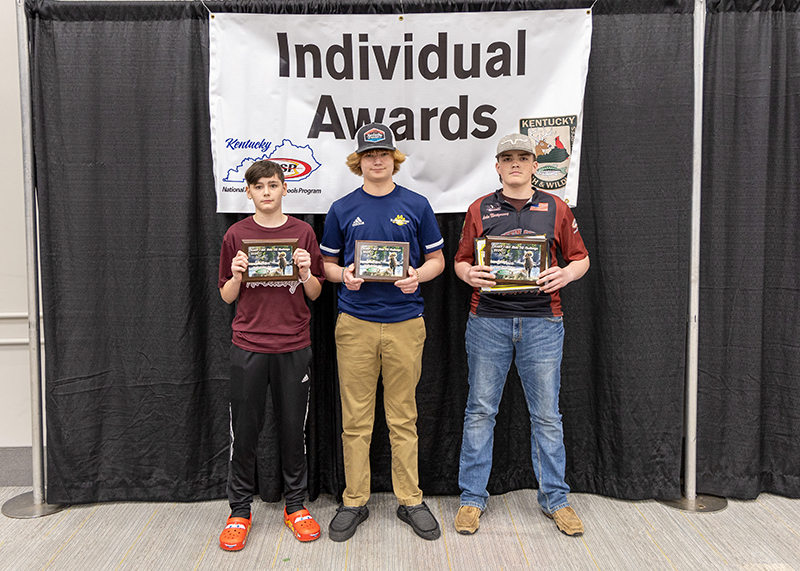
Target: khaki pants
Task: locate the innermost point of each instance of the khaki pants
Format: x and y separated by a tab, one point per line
364	349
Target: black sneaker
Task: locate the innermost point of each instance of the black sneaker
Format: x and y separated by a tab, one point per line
421	520
344	523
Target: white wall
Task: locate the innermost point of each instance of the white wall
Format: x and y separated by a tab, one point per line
15	407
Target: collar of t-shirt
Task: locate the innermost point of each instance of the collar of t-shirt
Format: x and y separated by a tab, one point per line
517	203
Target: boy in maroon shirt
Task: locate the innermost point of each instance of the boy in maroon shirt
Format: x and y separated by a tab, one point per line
271	350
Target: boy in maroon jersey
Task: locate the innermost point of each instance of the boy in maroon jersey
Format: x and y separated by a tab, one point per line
271	351
526	326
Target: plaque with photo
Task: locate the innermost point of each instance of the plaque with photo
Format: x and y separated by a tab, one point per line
381	261
516	260
270	260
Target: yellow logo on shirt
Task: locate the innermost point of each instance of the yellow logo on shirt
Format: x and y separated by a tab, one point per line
400	220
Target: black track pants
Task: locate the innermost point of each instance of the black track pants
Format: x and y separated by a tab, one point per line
252	375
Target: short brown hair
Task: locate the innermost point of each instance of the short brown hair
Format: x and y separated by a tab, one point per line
263	169
354	162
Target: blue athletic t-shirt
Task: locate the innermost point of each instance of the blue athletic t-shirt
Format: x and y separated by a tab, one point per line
400	216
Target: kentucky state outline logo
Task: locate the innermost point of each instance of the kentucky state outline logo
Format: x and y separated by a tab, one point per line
296	161
552	139
400	220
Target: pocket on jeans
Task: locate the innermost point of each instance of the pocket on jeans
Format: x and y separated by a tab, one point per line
558	319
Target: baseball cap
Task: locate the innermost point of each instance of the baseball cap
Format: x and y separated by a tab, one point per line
374	136
515	142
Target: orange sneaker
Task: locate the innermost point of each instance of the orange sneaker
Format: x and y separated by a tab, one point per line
302	525
234	536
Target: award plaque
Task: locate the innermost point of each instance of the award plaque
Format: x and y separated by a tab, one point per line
516	260
269	260
381	261
480	245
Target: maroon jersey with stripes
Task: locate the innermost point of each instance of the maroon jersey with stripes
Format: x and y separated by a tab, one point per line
544	214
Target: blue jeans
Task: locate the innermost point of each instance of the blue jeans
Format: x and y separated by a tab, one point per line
491	344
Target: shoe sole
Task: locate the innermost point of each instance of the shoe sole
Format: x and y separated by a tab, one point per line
466	532
347	533
429	535
580	533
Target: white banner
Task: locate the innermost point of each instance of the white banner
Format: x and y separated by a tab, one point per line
296	88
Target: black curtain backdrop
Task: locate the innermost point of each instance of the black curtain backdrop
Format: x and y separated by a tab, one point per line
137	336
749	379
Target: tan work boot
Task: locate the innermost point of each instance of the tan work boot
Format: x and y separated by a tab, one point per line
567	521
467	520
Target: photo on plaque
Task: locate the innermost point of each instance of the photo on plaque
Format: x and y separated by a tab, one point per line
516	260
269	260
480	245
381	261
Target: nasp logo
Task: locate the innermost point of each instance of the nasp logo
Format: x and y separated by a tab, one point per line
293	168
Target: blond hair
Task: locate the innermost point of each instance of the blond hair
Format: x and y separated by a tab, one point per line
354	161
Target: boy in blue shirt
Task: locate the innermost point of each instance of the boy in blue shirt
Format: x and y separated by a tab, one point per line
380	329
